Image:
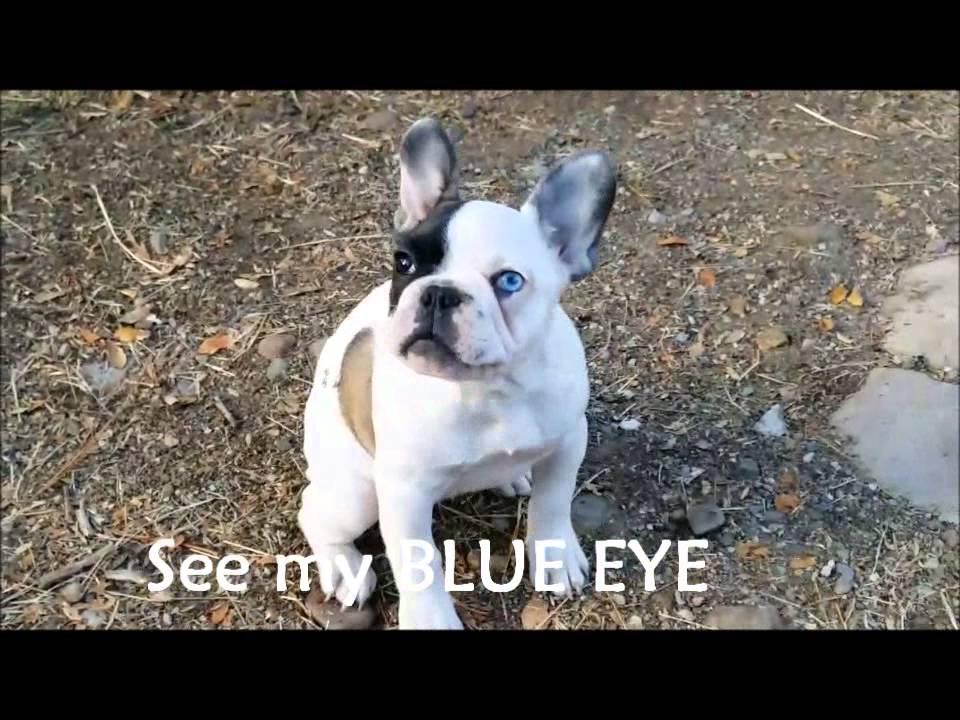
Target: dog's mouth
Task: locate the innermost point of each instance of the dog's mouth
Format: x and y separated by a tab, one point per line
426	343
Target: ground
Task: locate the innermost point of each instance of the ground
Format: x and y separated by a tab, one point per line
151	240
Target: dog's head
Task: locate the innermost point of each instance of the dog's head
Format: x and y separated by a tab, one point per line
475	282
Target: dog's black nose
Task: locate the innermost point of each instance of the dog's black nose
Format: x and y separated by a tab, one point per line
440	297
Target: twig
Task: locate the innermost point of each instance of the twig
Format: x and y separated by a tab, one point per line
223	411
830	122
946	606
129	253
891	184
876	558
55	576
20	228
688	622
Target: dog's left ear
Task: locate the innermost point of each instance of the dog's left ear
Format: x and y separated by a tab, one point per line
571	205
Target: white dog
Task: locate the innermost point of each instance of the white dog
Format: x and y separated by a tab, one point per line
462	373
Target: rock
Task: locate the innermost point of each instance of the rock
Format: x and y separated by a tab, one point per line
913	454
535	614
618	599
284	443
93	619
697	600
744	617
656	217
748	470
330	616
686	614
737	305
72	593
634	622
663	600
774	516
705	517
469	109
381	121
771	338
276	346
681	339
925	314
316	347
808	458
747	390
159	242
590	513
827	570
678	514
102	377
630	424
950	538
844	583
772	423
277	368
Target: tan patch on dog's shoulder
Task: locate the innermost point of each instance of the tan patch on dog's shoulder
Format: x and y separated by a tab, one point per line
355	389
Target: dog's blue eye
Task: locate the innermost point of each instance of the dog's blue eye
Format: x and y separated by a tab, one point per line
509	281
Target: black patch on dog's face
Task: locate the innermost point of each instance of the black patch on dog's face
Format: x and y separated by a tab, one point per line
426	244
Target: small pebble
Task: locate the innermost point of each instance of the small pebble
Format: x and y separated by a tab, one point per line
678	514
93	619
276	346
535	614
686	614
284	443
697	600
705	517
748	469
72	593
656	217
808	458
772	423
630	424
469	109
844	583
618	599
635	622
167	619
277	368
950	538
827	570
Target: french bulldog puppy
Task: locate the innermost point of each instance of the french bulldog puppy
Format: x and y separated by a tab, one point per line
461	373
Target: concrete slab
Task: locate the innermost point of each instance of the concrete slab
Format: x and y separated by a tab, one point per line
904	429
925	314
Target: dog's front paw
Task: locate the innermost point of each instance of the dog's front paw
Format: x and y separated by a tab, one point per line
518	487
571	576
428	610
348	589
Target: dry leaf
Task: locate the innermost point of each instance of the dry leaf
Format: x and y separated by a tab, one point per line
671	240
215	344
118	358
886	199
804	562
137	315
707	277
870	237
127	334
838	295
737	305
736	336
752	551
88	336
786	502
222	614
48	295
855	298
740	252
535	614
122	100
245	284
826	324
697	349
770	338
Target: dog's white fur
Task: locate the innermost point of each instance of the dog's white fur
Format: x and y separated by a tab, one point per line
514	410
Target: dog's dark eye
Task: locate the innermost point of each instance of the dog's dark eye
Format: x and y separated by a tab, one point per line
404	263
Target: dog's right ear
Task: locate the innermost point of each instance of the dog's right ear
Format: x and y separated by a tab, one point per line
428	173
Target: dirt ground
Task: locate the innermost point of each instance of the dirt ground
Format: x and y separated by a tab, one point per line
137	226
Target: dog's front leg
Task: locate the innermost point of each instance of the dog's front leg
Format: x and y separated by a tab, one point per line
406	518
549	521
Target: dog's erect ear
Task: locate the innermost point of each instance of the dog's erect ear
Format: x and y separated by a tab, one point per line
428	172
571	204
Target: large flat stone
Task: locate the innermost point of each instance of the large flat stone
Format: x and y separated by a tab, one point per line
925	313
903	428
